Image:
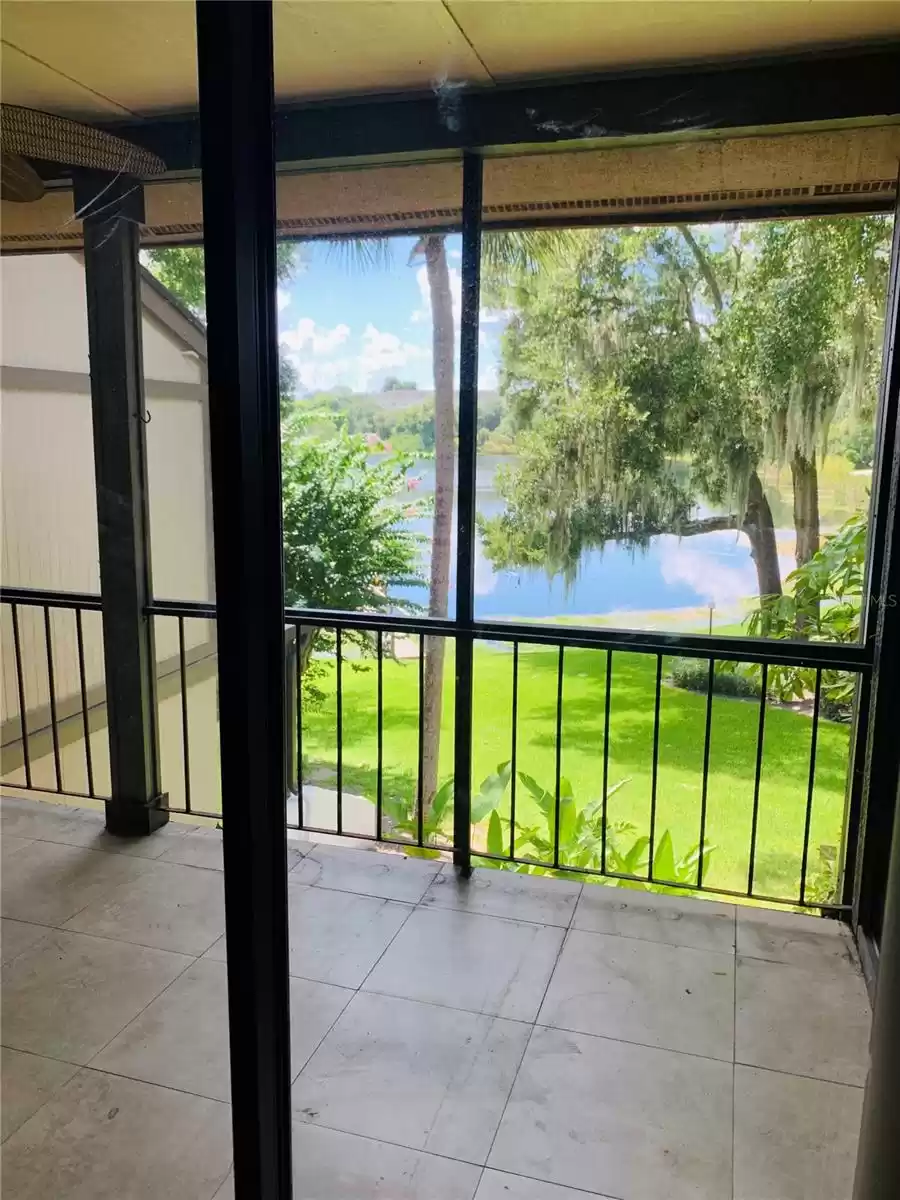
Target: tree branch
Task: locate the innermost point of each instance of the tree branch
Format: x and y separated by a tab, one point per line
703	263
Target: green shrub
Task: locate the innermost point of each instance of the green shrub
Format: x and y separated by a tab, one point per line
693	675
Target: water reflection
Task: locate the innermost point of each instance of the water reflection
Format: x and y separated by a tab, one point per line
669	585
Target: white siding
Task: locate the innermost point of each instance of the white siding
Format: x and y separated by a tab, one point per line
48	513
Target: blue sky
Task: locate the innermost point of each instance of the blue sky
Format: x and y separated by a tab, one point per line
341	324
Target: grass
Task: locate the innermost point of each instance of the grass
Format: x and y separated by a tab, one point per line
732	761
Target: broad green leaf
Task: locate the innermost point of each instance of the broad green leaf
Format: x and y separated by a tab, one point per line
441	799
490	793
664	859
544	798
495	834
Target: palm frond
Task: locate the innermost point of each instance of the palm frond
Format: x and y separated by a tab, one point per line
370	253
528	250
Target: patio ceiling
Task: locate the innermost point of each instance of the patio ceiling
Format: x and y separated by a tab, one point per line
100	60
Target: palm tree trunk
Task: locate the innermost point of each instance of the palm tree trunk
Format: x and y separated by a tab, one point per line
442	527
760	529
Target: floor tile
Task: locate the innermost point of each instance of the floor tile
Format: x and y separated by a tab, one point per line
802	1021
793	1138
670	996
68	995
200	848
36	818
48	883
497	1185
378	873
793	938
336	937
624	1121
506	894
105	1138
26	1082
85	827
339	1166
203	848
425	1077
16	936
674	920
10	844
168	906
483	964
181	1039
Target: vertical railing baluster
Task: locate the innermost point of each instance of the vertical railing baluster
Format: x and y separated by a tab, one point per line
20	684
340	733
705	784
82	675
54	727
651	849
557	797
804	861
513	751
604	813
298	635
185	737
379	778
420	791
759	753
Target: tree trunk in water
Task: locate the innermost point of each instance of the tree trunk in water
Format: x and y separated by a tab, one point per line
760	529
805	478
442	528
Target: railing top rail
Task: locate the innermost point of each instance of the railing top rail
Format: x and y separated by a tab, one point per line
829	655
40	598
833	656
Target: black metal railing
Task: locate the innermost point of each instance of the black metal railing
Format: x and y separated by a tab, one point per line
329	636
39	724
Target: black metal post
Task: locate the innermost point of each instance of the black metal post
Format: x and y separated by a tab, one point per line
111	209
878	1158
871	815
234	47
465	511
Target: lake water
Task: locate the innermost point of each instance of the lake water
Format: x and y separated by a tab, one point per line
672	583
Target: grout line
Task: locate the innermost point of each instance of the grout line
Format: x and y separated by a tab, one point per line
163	1086
140	1014
527	1046
859	1087
606	1037
471	1012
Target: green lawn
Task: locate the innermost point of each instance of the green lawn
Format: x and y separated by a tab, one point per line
784	781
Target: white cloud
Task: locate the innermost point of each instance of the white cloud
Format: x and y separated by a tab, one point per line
283	298
382	351
313	338
320	375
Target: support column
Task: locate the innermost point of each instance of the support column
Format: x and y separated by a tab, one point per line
877	906
112	207
878	1158
234	52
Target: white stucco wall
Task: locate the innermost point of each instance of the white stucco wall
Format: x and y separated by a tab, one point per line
48	513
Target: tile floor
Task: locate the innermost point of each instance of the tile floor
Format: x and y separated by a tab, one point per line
512	1038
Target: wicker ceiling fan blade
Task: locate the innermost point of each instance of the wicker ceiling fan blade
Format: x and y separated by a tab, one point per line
33	134
19	181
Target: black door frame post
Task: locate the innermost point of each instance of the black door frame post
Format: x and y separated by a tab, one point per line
465	511
112	208
878	1156
234	51
879	753
877	902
